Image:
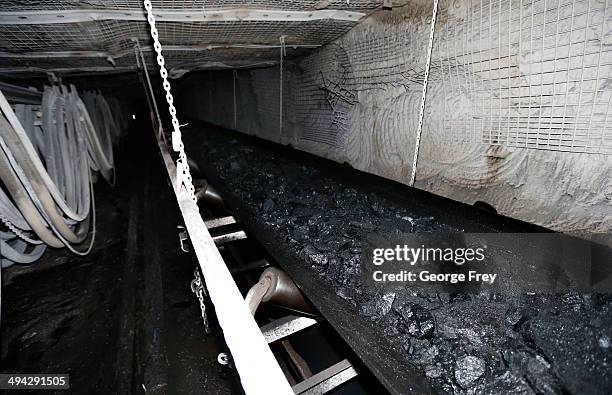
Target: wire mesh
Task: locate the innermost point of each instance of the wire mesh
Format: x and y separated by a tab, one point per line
323	116
116	39
537	74
114	36
524	73
18	5
520	73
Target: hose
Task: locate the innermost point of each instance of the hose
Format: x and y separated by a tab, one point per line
15	252
37	164
10	214
52	202
23	202
33	181
99	143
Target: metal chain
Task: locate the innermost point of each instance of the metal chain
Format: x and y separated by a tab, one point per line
183	176
422	113
197	287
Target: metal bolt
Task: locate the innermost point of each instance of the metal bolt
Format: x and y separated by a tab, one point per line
223	359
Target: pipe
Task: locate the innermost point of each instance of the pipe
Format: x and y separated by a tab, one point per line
25	204
37	163
15	252
23	160
20	94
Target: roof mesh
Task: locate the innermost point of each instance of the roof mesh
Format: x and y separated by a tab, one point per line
115	36
200	39
18	5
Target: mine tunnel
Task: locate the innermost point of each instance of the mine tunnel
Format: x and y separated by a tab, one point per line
306	197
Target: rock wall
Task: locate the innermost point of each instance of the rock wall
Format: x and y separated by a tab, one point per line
516	113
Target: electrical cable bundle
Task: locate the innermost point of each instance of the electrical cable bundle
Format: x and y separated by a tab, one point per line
47	168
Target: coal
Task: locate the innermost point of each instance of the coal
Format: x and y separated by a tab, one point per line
464	343
378	306
468	370
504	383
416	321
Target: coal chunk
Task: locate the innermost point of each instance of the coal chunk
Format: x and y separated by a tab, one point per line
378	306
469	369
416	321
268	205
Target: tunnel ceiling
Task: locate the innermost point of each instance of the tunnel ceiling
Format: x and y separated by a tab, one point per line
99	36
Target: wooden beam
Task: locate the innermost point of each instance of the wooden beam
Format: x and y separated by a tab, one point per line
45	17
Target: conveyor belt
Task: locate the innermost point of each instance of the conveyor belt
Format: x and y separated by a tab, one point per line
523	342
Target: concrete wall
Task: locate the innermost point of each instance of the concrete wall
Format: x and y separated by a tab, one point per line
516	114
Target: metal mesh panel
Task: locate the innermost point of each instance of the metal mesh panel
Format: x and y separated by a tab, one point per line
537	74
533	74
266	85
519	74
114	36
59	37
322	116
17	5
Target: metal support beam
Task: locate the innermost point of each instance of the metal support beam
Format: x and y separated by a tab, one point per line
229	237
286	326
326	380
19	94
46	17
61	54
128	52
217	222
68	70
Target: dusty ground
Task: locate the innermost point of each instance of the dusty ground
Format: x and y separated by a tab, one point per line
123	319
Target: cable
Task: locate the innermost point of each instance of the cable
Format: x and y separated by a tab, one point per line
37	163
425	80
55	202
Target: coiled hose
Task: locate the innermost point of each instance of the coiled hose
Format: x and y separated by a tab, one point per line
52	204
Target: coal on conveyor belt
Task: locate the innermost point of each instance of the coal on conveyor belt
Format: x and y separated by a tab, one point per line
463	344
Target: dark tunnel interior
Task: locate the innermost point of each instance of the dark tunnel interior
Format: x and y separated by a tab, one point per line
313	197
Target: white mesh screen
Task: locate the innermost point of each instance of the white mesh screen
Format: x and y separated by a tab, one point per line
17	5
534	76
114	37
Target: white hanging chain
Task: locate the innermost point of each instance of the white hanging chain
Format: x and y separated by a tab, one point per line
183	176
421	114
